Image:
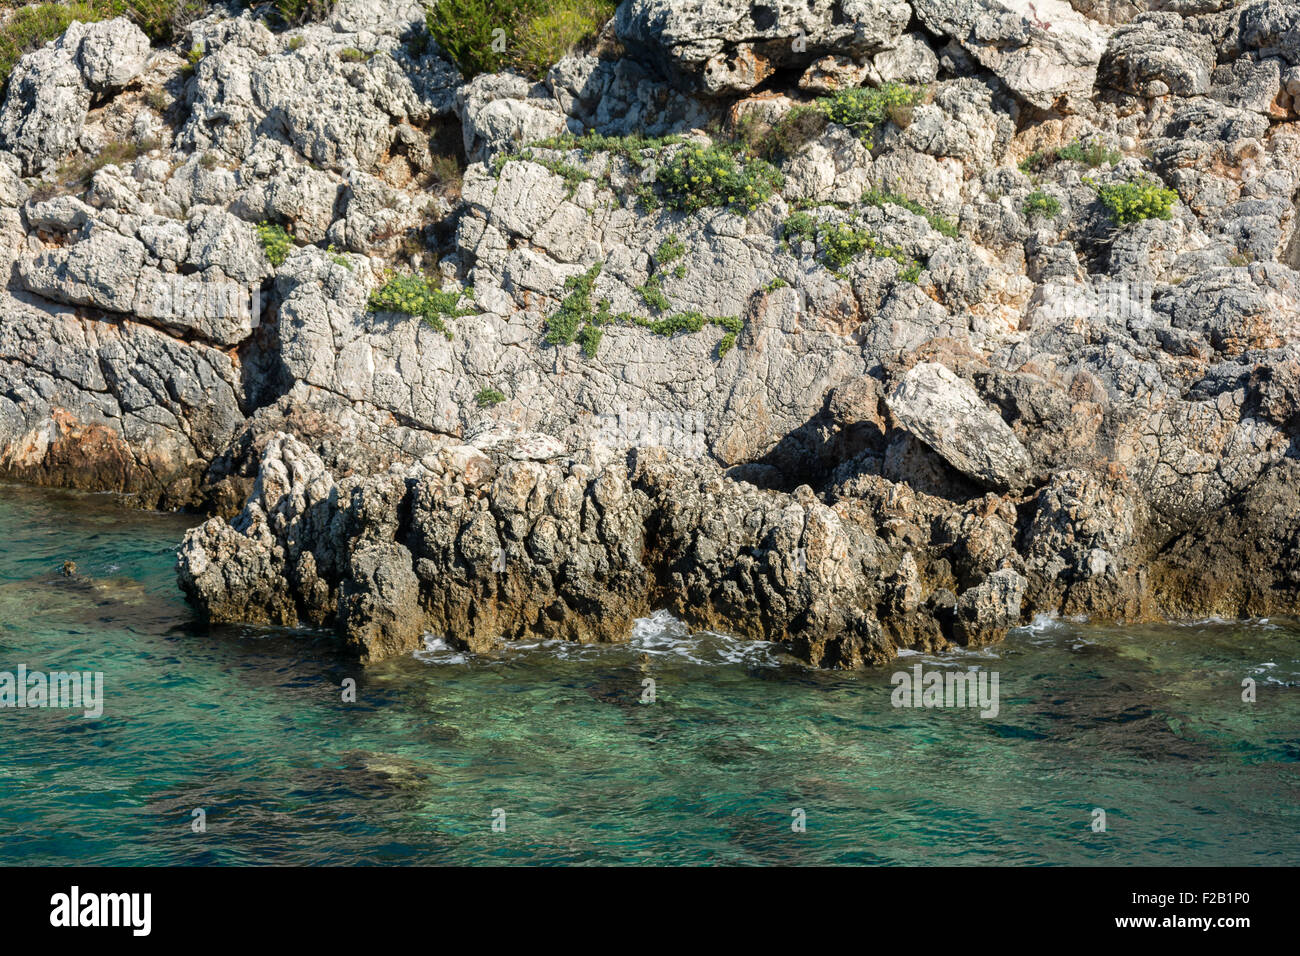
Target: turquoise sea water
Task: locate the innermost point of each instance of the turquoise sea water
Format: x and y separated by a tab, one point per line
249	725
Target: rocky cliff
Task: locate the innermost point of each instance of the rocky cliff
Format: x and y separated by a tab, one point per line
854	324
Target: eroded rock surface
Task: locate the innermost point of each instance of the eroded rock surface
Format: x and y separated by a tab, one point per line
919	385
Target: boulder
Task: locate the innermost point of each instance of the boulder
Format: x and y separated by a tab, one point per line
1043	50
730	46
946	413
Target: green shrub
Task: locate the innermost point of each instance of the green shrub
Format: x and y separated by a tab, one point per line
862	109
697	177
1092	154
576	321
1039	203
838	244
572	175
800	225
784	136
547	37
353	55
296	12
192	60
276	242
1136	200
33	26
537	33
487	397
875	197
652	294
419	296
630	147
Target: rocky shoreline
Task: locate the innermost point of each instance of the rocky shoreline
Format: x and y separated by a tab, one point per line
859	326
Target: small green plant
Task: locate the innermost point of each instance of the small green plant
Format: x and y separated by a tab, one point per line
631	147
652	294
545	38
296	12
446	173
353	55
573	176
1093	153
296	43
192	59
1040	204
782	137
696	177
419	296
337	258
537	33
158	100
576	321
876	197
276	242
1135	200
669	251
838	244
864	109
575	309
774	284
487	397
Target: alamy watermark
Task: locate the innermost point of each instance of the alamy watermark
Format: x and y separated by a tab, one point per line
1117	299
681	432
947	689
190	301
83	690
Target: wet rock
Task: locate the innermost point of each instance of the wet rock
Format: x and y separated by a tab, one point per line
985	613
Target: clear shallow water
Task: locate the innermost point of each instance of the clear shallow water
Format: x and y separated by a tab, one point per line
249	725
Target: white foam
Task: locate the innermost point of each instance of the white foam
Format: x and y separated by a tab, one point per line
661	635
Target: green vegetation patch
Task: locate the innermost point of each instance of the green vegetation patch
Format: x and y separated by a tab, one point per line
488	36
697	177
33	25
297	12
487	397
573	176
577	321
863	109
1092	154
838	244
1135	200
876	197
276	242
419	296
1040	204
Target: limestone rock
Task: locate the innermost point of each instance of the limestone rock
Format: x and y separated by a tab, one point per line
948	415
